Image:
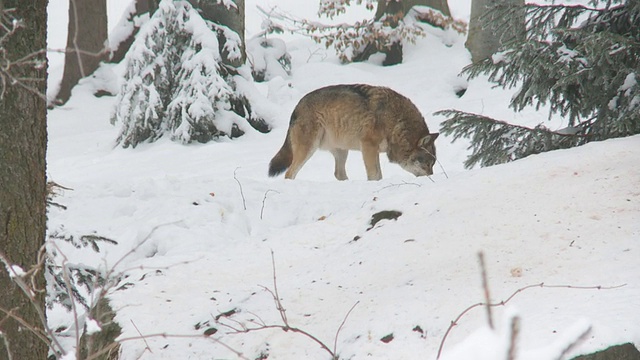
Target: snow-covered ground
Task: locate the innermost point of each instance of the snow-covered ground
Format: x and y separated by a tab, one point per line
196	227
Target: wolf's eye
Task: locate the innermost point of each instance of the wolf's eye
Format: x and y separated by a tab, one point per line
422	158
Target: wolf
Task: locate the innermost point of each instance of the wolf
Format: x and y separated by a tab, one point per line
372	119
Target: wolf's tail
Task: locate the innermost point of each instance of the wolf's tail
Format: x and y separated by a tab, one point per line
283	158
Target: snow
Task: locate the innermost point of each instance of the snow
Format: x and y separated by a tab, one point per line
629	82
196	226
92	326
124	28
14	270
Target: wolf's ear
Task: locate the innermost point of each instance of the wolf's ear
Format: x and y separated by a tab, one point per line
428	140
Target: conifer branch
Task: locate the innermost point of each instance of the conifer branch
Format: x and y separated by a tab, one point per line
496	142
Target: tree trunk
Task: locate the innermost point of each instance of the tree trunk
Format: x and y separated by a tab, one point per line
394	11
485	33
86	43
440	5
233	18
23	140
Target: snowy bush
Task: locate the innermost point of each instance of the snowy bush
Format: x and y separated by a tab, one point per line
175	82
269	58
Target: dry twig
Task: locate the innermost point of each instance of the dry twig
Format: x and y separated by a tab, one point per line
504	302
244	202
261	325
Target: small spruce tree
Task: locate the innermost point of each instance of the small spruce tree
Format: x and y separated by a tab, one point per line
582	61
176	83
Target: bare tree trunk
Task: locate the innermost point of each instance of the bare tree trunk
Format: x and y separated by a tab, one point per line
440	5
23	140
394	11
233	18
86	43
485	34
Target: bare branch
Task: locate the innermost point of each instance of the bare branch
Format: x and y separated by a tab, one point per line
286	326
335	341
583	335
504	302
6	346
276	296
75	37
146	344
37	332
112	346
244	202
485	286
264	199
30	293
513	338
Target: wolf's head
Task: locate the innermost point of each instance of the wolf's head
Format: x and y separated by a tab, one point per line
423	156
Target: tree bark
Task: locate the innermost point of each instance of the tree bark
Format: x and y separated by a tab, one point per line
485	33
395	10
440	5
86	43
23	140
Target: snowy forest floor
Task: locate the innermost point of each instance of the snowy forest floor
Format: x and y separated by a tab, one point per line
196	225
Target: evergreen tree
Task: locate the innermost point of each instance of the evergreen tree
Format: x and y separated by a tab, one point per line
583	61
176	82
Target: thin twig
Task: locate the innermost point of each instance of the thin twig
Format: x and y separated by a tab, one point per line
244	202
398	185
242	328
583	335
69	286
513	338
6	346
113	345
75	37
442	167
281	309
37	332
264	199
335	341
137	247
504	302
30	294
286	329
146	344
485	286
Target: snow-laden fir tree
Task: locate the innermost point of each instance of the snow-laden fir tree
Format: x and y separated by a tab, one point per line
581	61
176	83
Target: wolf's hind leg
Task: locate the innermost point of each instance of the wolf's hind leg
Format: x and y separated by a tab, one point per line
302	151
300	157
340	155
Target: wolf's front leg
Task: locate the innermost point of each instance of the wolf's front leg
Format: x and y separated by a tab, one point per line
340	155
371	157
